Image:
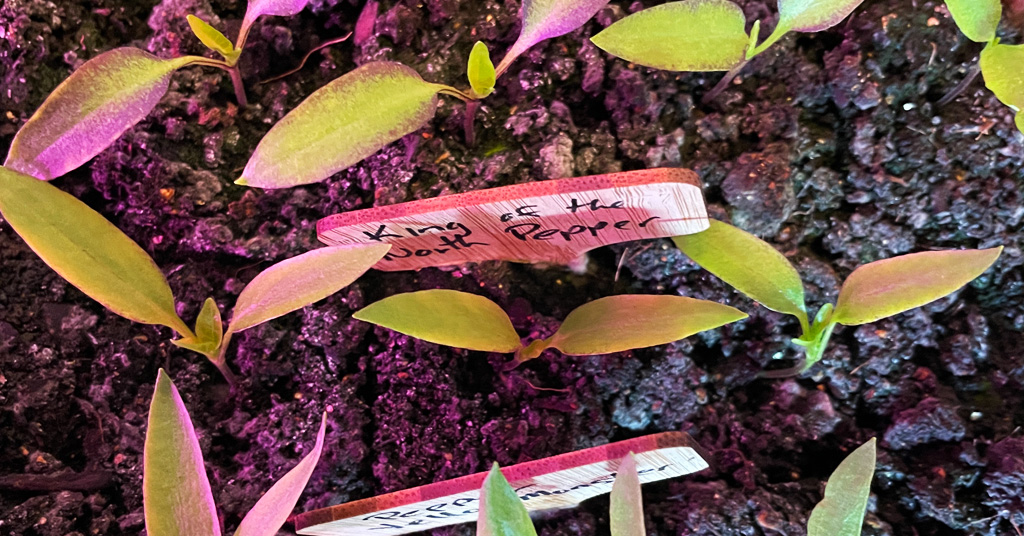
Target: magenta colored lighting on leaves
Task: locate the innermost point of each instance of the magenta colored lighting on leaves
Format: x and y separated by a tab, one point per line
544	19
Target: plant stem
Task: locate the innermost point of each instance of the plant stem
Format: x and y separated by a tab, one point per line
723	83
236	81
471	108
220	361
972	73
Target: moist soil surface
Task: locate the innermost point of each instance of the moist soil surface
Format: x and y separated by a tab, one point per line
831	146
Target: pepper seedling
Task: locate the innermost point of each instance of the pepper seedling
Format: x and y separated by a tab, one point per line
176	494
841	511
104	263
873	291
710	35
112	92
603	326
346	121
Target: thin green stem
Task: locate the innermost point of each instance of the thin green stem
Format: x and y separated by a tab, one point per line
779	32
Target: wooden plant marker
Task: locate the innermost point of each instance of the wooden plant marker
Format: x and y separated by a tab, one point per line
547	221
556	482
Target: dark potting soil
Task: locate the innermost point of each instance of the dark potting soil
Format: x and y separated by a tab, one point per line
829	145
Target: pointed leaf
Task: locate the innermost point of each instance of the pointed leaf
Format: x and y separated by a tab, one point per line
91	109
620	323
87	250
212	38
544	19
841	512
273	509
447	317
502	512
299	281
480	70
209	326
342	123
273	8
891	286
1000	66
814	15
693	35
977	19
748	264
175	491
626	511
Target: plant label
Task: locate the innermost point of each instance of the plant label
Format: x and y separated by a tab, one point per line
547	221
557	482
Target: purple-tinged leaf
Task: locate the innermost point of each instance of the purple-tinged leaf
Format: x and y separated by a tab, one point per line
299	281
544	19
176	494
626	511
365	23
814	15
88	251
891	286
272	510
91	109
502	512
272	8
342	123
841	511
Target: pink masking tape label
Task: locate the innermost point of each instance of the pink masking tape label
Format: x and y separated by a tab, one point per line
546	221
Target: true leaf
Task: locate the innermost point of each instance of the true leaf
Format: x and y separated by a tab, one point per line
502	512
841	512
626	511
748	264
814	15
977	19
544	19
91	109
887	287
212	38
299	281
342	123
620	323
692	35
1000	66
480	70
175	491
87	250
446	317
209	331
273	509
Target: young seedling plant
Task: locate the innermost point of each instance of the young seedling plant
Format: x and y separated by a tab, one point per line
357	114
115	90
840	512
710	35
603	326
874	291
177	499
999	64
104	263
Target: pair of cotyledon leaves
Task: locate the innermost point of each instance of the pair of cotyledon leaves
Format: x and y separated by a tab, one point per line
840	512
603	326
1000	64
176	493
93	255
872	292
710	35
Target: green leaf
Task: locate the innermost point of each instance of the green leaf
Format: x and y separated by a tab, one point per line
342	123
447	317
87	250
841	512
502	512
977	19
209	326
544	19
620	323
626	511
299	281
176	494
693	35
750	265
1000	67
273	509
481	71
213	39
814	15
891	286
91	109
